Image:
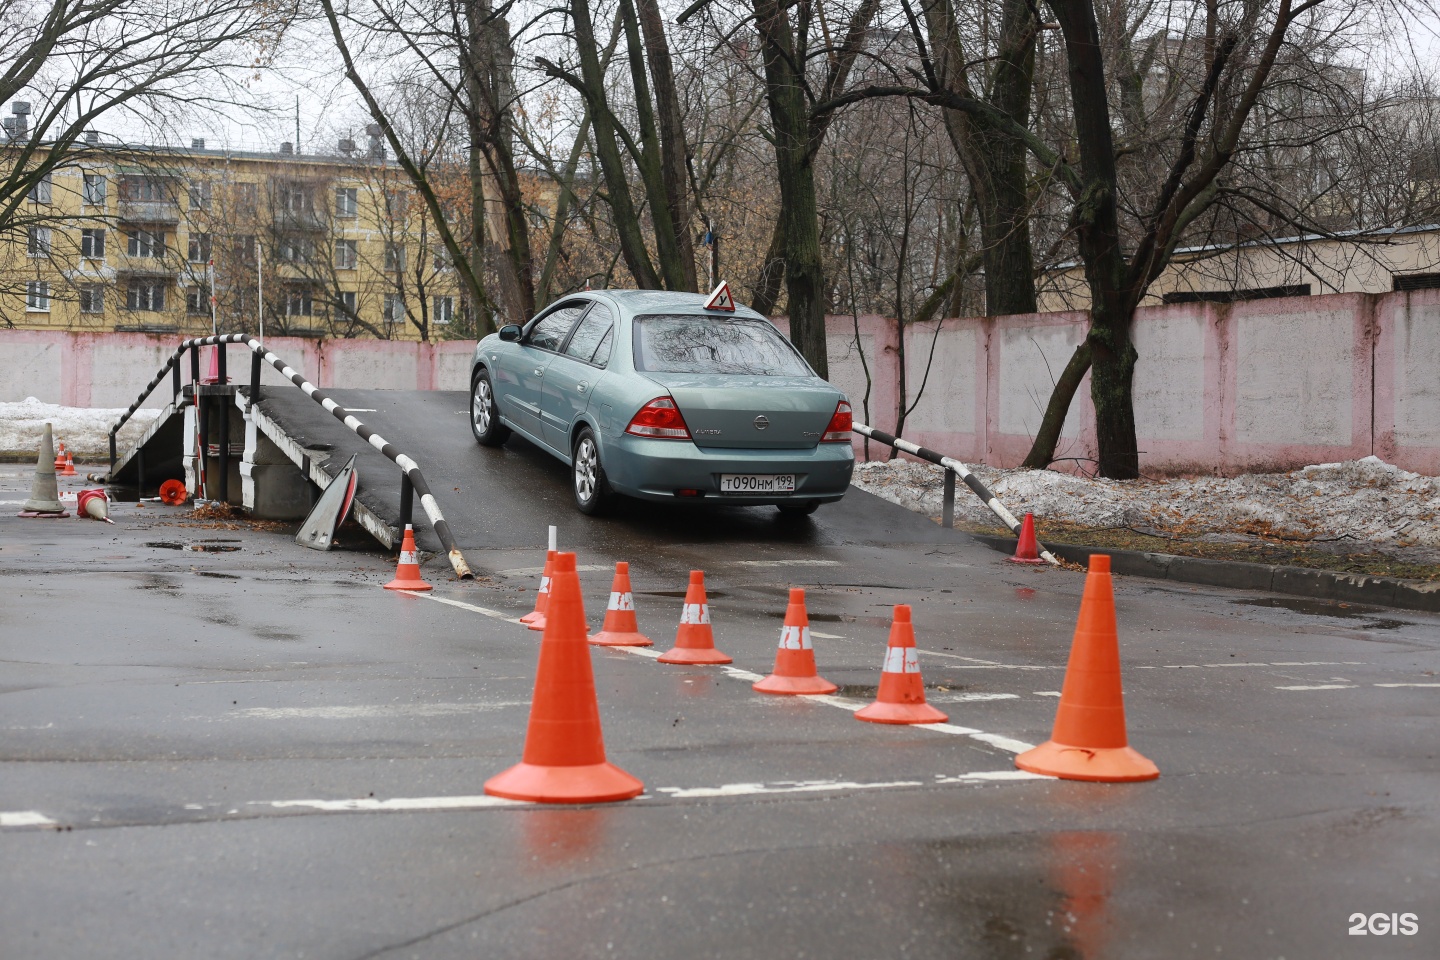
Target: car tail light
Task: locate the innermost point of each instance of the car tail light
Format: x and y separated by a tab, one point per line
840	425
660	419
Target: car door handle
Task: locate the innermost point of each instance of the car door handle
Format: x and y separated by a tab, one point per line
537	371
582	385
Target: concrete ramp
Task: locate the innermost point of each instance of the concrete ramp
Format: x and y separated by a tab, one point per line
158	455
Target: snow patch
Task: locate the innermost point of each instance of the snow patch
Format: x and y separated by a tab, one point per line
85	430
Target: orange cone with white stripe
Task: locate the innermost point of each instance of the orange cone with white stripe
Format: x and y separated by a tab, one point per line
901	697
535	619
69	470
407	572
695	641
60	457
620	628
1089	741
564	759
795	660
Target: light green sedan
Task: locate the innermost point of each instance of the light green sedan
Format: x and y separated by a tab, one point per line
649	394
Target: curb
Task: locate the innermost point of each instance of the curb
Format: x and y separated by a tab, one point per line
1423	595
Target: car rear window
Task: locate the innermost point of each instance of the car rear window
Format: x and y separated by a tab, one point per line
701	344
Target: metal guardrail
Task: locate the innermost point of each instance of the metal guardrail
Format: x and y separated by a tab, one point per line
953	468
412	481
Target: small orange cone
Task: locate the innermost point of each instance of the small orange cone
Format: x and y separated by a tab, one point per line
94	504
69	470
535	619
1027	549
901	698
407	571
564	758
795	660
60	457
1089	740
694	640
620	628
173	492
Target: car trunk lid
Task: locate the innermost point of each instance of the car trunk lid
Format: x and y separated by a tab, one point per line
745	412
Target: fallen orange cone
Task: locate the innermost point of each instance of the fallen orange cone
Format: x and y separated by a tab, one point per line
564	759
173	492
1027	548
1089	740
620	628
695	640
407	571
795	660
535	619
901	697
94	504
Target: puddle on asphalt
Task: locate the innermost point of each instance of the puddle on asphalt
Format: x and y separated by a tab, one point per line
217	576
1327	608
165	545
212	548
204	546
709	594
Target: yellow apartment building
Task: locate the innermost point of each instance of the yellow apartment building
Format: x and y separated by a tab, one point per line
136	239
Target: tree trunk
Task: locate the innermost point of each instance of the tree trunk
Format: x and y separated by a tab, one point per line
1042	451
790	122
673	148
765	292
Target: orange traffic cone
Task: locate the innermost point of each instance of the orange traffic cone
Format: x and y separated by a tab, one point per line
535	619
1027	549
60	457
695	641
69	470
564	758
407	571
94	504
901	698
173	492
620	628
795	660
1089	741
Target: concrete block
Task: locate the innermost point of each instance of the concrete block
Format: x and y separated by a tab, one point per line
1222	573
276	491
1359	588
1304	582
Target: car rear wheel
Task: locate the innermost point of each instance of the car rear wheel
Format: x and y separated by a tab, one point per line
592	491
484	422
801	508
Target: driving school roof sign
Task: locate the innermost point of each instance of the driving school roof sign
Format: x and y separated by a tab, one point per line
720	298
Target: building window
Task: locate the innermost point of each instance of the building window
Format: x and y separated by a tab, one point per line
345	202
199	247
347	303
92	298
200	195
94	190
1415	281
1237	296
347	254
295	198
38	244
197	300
247	198
245	248
444	310
297	249
394	308
441	261
394	257
144	243
146	294
40	192
92	244
37	296
144	189
299	302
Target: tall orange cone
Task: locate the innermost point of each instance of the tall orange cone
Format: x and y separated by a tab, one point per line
564	758
694	640
1089	740
901	698
60	456
1027	549
620	628
69	469
407	571
535	619
795	660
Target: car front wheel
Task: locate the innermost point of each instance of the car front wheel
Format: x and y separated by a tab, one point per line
592	490
484	422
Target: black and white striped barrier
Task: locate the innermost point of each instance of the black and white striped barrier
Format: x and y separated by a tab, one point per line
412	477
956	468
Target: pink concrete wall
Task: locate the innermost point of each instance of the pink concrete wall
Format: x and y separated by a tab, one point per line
1264	385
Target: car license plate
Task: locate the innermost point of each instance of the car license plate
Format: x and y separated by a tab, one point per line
757	483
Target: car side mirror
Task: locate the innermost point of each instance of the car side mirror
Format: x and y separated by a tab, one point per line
510	332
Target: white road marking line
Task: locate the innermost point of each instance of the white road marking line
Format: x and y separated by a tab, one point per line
371	805
1320	686
536	571
1249	663
1047	693
994	775
25	818
971	697
1407	684
825	636
498	615
956	656
362	712
784	563
802	786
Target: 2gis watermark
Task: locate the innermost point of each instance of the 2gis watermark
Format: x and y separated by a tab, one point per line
1384	924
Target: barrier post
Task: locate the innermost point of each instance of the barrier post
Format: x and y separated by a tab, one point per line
948	510
175	382
224	411
255	361
407	499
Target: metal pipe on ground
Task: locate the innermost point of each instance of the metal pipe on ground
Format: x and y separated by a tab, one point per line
960	470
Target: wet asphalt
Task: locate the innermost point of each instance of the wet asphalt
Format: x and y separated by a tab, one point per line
214	742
